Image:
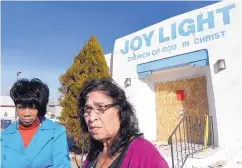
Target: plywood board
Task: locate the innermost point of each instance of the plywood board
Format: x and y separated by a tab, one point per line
167	107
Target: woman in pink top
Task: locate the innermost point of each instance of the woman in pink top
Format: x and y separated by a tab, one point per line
115	140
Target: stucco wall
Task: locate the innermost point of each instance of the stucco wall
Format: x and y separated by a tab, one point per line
218	29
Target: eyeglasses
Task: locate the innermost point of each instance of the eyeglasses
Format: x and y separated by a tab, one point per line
21	107
98	109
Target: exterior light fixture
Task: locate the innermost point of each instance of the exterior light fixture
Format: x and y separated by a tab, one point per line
127	82
221	64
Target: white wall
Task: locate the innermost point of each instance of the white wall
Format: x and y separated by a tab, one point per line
142	94
6	100
108	60
9	110
227	85
7	105
58	110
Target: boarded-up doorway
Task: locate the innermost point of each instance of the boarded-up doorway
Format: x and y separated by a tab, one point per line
168	107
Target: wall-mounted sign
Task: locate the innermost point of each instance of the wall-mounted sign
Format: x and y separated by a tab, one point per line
213	19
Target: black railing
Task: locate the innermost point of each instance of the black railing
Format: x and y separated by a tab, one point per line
192	134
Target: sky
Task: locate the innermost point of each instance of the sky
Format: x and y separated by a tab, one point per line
41	38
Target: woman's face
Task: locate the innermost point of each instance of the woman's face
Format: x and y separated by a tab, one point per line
101	116
27	115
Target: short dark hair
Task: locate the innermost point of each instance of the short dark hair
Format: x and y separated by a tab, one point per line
31	92
128	121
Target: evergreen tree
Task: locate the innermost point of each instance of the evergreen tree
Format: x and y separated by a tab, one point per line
88	64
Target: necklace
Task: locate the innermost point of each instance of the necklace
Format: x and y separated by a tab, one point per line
102	163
